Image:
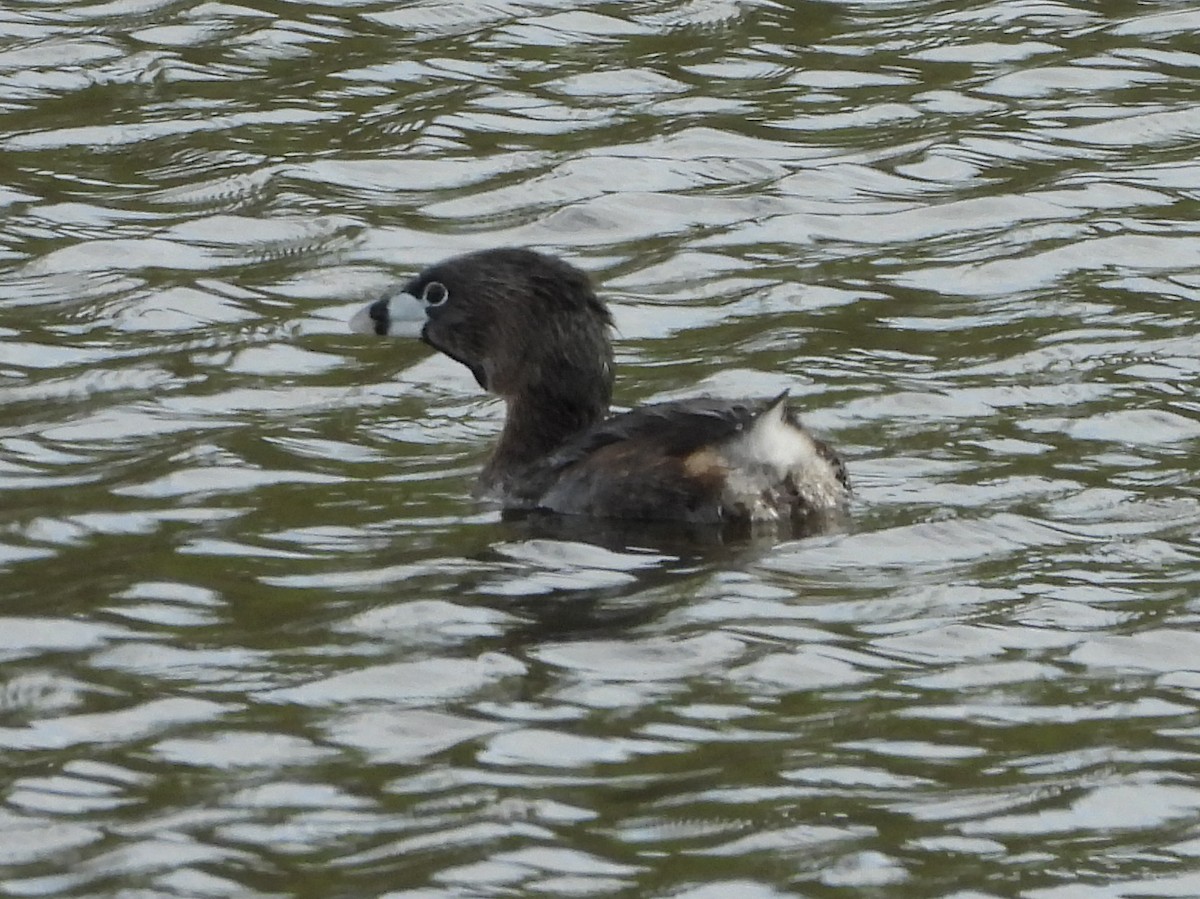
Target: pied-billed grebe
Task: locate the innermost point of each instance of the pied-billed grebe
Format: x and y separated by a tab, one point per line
531	330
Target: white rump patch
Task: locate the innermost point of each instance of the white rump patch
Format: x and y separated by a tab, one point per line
771	450
773	441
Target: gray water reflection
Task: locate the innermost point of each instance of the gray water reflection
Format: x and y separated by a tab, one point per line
258	641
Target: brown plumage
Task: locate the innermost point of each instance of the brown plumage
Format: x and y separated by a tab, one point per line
531	329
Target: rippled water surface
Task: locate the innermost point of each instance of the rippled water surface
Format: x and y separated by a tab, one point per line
257	638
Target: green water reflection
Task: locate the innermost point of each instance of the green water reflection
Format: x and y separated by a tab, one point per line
258	639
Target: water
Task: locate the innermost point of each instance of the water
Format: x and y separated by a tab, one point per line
257	640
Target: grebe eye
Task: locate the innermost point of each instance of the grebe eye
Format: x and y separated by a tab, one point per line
435	293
